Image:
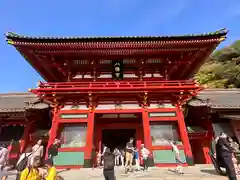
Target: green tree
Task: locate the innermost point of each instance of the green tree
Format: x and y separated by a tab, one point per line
222	69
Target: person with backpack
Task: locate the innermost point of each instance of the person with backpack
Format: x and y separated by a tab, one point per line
31	172
24	160
108	165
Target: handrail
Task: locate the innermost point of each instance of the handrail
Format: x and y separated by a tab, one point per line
118	84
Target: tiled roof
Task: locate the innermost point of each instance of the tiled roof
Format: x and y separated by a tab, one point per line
19	102
218	98
11	35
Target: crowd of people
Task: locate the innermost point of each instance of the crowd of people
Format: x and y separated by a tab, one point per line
31	164
126	158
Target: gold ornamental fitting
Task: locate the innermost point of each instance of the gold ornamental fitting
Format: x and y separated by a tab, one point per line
222	38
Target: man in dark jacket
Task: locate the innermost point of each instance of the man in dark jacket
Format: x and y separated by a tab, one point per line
224	156
108	165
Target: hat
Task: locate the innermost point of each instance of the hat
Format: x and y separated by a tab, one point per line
48	162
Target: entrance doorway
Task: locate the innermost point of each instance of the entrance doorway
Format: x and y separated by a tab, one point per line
115	130
117	138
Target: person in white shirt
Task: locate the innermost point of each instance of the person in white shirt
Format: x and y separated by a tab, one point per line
27	153
116	153
37	150
145	153
177	157
3	155
104	149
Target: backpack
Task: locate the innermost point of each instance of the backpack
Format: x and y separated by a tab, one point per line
108	162
23	163
116	152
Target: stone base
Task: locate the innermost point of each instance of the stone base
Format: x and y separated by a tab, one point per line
87	163
150	162
189	161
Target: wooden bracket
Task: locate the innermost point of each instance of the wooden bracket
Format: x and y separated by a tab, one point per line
92	102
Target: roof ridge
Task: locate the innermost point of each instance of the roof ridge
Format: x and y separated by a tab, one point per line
10	35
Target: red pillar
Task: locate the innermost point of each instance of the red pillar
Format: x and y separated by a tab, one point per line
184	137
146	130
89	141
25	137
53	131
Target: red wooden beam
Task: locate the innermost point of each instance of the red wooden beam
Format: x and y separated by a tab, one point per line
165	147
72	149
73	120
159	119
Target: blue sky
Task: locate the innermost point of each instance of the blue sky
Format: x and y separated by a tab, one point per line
105	18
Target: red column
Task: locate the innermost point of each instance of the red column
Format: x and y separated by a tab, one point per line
53	131
89	141
25	136
184	137
146	130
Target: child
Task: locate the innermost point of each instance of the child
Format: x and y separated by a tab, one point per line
136	155
177	157
145	153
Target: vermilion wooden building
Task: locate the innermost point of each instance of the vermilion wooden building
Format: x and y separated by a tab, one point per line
108	89
22	116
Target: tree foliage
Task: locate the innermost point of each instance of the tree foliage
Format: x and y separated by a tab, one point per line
222	69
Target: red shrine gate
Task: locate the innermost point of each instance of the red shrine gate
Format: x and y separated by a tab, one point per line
139	82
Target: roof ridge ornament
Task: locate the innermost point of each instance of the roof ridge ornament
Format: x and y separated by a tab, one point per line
220	31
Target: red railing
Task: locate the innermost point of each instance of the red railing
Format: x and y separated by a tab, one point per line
145	86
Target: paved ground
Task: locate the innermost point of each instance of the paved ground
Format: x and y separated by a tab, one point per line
203	172
199	172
